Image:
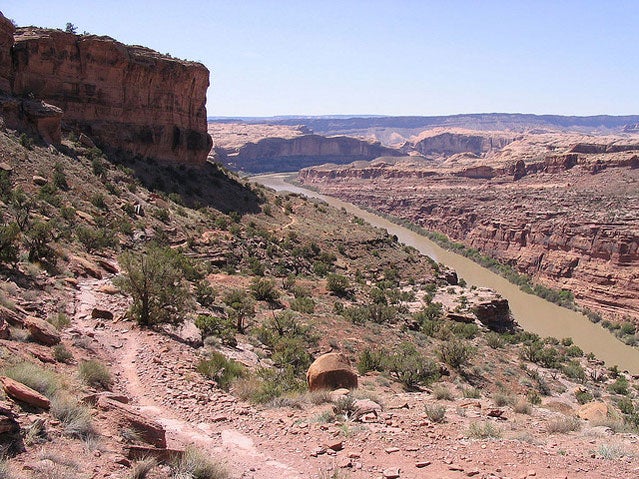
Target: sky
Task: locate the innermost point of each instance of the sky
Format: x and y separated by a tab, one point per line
401	57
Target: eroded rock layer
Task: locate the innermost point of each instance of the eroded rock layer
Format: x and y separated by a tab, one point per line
127	98
569	218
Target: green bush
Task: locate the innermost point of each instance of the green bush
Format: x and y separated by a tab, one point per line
222	370
38	238
204	293
410	367
620	386
61	353
264	290
338	284
303	305
455	353
583	397
573	370
154	279
370	360
221	328
95	239
59	177
9	235
94	373
494	340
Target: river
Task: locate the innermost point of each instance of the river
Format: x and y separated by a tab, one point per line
531	312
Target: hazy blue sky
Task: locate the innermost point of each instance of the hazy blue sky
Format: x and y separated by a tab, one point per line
382	57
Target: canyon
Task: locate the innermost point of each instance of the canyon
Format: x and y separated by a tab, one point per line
129	100
561	208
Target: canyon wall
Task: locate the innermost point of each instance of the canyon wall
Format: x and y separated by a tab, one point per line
128	99
451	143
290	154
569	221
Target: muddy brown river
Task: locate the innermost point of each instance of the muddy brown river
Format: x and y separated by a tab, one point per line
531	312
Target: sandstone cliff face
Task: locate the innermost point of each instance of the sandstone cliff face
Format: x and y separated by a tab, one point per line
6	42
570	221
451	143
127	98
289	154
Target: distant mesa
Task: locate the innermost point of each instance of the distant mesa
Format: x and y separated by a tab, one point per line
128	99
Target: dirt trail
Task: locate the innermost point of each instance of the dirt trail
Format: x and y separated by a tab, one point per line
123	346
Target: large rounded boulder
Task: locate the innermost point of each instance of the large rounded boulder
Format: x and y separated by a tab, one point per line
331	371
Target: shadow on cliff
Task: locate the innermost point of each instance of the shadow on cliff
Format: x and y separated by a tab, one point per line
208	185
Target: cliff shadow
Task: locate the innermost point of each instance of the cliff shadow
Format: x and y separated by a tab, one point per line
194	186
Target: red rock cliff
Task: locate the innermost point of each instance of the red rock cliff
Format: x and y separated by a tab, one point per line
127	98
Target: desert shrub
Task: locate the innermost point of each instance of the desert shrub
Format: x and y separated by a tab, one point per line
573	370
370	360
240	306
625	405
338	284
483	430
442	392
583	397
303	305
435	412
154	279
464	330
283	325
76	419
471	393
221	328
38	237
60	177
522	406
42	380
502	399
95	239
267	384
204	293
574	351
9	235
98	201
59	320
291	352
141	468
344	406
455	353
97	166
410	367
494	340
562	425
222	370
94	373
195	464
26	141
264	290
61	353
620	386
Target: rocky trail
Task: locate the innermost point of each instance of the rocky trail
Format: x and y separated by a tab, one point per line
158	374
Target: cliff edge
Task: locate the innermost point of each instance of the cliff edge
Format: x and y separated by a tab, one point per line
128	99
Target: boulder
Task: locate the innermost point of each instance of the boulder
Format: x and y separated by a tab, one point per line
331	371
125	416
98	313
593	411
364	407
24	394
41	331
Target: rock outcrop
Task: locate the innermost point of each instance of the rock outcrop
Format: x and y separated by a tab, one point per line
41	331
453	142
331	371
291	154
128	99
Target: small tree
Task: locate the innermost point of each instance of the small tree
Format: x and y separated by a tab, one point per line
71	28
240	306
154	281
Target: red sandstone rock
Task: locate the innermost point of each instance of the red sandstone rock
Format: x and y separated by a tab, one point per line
41	331
22	393
149	431
331	371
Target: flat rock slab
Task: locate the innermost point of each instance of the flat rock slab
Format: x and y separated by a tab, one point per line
25	394
150	431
